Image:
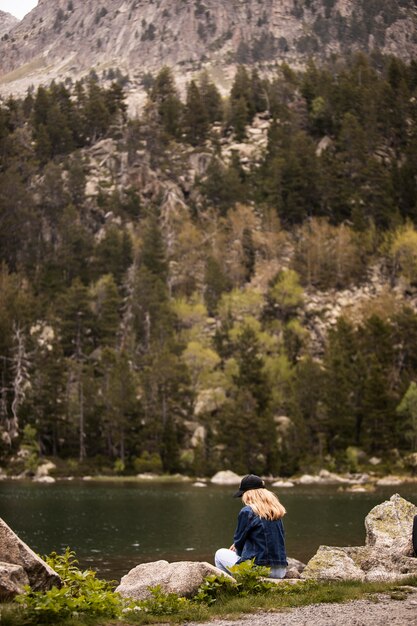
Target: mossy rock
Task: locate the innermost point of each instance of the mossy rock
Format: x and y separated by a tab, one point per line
389	525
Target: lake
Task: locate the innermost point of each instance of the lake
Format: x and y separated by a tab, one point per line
114	526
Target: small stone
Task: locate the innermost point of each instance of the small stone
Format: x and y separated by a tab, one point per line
374	460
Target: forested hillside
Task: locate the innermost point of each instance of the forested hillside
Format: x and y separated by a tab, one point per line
159	274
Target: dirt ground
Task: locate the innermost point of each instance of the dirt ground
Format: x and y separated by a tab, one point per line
383	611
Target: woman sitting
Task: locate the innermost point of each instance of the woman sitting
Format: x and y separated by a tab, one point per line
260	532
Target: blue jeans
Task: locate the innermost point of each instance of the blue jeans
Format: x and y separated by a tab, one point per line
225	558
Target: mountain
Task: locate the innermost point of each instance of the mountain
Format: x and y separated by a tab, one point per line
68	37
7	22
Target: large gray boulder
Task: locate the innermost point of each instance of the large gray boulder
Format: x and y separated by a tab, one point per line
14	551
390	525
386	556
13	578
332	564
182	578
362	563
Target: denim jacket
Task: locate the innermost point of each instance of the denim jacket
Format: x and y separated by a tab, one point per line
259	538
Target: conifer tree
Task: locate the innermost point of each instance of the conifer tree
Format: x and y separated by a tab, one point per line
342	421
216	282
211	98
195	116
164	95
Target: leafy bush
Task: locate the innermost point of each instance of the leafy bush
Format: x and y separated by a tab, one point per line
81	594
213	588
249	580
160	603
148	462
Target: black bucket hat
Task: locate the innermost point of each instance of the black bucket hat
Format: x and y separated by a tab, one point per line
251	481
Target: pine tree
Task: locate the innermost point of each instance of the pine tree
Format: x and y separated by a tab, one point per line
113	254
249	255
195	116
343	382
164	94
76	319
211	98
216	282
106	304
153	250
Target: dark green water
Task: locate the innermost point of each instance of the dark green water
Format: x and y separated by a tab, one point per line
113	527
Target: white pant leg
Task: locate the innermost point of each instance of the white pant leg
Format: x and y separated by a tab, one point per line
225	558
278	572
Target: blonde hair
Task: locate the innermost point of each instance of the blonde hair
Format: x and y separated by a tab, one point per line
264	503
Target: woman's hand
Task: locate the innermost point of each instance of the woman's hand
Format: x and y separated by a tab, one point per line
232	547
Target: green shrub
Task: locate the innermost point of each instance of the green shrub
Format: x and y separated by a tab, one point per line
148	462
81	594
214	587
249	580
160	603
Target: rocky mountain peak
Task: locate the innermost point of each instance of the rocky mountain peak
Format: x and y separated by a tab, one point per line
69	37
7	22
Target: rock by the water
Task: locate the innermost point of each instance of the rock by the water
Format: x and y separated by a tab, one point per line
44	479
387	555
307	479
390	525
14	551
283	484
44	469
182	578
332	564
294	569
226	478
329	478
13	578
358	489
389	481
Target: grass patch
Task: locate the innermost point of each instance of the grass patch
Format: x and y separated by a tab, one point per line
24	71
85	600
281	597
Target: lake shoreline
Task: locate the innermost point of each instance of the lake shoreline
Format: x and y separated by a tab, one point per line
360	482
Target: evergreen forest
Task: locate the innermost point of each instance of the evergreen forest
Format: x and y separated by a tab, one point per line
160	321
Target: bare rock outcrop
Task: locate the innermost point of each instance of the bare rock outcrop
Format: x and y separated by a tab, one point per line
7	22
387	555
182	578
14	551
60	38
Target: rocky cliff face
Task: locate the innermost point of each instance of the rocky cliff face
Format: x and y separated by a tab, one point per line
7	22
68	37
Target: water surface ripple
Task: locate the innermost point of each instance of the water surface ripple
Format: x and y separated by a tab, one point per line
115	526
